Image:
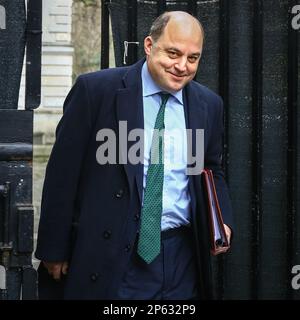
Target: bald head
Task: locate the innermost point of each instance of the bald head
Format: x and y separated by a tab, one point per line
179	19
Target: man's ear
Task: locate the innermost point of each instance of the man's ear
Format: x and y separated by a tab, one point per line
148	43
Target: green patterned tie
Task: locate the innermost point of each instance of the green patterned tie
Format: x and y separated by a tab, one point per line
149	239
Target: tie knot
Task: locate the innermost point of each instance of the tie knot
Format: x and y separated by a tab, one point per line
164	97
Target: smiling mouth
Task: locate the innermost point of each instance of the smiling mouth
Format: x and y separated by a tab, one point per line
177	76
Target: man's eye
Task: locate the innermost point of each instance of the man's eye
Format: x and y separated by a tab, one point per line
172	54
193	59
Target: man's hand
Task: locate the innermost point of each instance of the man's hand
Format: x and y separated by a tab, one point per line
228	233
56	269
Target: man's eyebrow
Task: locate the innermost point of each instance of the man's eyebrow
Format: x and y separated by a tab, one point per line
173	49
197	54
178	51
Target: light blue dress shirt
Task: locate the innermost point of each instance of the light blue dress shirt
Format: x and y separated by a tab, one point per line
176	198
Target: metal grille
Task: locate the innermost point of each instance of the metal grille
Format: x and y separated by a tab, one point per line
22	31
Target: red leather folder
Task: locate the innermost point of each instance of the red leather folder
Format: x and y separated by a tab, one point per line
218	240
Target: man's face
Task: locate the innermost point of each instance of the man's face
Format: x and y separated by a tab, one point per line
174	58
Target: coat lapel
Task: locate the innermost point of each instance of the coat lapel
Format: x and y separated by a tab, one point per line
129	110
195	108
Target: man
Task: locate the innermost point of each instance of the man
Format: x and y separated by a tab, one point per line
141	230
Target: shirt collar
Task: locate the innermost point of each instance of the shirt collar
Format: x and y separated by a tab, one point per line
150	87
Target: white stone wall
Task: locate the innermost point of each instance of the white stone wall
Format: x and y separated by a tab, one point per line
57	21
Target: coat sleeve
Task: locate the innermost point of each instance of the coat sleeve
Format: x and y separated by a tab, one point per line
213	161
62	175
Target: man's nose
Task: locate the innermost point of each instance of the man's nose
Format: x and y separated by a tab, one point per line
181	64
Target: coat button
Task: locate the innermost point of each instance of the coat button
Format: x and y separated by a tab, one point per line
127	248
136	217
106	234
94	277
119	193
